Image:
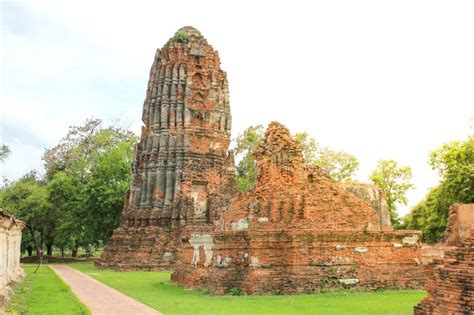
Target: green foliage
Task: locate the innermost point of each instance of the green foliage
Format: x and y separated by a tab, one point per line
27	200
340	165
89	172
181	37
430	215
235	291
246	173
309	147
156	290
394	181
4	152
247	170
44	293
79	202
455	163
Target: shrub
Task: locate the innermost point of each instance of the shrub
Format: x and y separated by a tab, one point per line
182	37
235	291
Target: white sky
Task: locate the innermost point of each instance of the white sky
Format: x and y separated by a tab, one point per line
378	79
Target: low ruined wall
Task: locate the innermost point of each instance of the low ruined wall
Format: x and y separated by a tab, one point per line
296	261
10	240
449	268
140	248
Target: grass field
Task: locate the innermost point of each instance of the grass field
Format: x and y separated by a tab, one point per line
156	290
44	293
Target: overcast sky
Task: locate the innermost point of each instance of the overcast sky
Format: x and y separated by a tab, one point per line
378	79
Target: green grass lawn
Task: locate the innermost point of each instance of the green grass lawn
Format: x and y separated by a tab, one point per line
156	290
44	293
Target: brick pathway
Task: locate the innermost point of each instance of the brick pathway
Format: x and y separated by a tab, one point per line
100	298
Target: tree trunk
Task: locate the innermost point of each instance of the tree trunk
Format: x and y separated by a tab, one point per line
74	252
29	250
62	251
37	247
49	249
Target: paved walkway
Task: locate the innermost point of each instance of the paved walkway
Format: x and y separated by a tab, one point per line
100	298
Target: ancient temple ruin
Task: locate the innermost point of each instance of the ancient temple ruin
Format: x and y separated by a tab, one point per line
449	267
10	241
297	231
181	167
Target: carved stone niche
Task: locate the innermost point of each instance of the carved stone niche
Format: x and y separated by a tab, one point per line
199	195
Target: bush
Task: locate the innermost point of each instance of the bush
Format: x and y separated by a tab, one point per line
182	37
235	291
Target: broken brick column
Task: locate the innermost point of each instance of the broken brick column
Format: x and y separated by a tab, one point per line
450	275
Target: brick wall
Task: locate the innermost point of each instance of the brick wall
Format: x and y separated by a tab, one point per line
295	261
449	270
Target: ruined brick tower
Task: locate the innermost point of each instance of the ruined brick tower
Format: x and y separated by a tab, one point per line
296	231
181	163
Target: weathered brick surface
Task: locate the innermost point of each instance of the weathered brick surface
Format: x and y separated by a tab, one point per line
297	231
181	163
450	271
294	261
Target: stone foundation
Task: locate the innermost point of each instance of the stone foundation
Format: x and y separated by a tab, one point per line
10	241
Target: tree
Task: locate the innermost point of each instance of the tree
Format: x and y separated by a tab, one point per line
455	164
394	181
89	172
4	152
340	165
80	200
246	169
26	199
309	147
430	215
81	142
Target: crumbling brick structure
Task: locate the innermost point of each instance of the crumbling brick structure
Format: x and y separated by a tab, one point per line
375	197
10	270
181	164
297	231
450	275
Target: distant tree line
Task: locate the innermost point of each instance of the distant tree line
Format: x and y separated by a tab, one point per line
78	201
